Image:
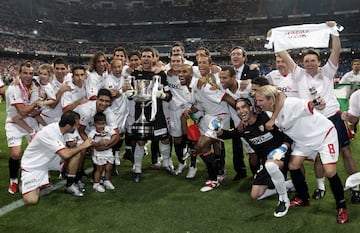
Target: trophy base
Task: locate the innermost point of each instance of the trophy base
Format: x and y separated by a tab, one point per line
143	130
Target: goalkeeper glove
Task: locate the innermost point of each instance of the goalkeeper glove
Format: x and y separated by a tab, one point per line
278	153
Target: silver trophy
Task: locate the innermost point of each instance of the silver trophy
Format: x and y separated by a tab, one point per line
143	94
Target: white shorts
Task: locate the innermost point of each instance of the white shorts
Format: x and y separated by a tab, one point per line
103	157
15	133
175	122
30	181
328	150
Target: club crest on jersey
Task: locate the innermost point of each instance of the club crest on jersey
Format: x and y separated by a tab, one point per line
261	128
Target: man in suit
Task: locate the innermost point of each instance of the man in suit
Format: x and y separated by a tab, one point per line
245	73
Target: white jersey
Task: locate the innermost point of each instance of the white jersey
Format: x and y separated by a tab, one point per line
322	82
350	78
51	115
284	84
301	124
94	83
41	152
354	104
20	94
120	104
99	136
181	96
210	102
1	83
87	112
69	97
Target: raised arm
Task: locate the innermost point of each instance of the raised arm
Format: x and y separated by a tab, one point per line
288	60
335	45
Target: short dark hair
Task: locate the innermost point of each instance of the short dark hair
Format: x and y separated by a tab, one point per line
148	49
249	102
242	49
99	116
69	118
135	52
60	61
231	70
207	51
27	64
312	52
78	67
105	92
122	49
260	81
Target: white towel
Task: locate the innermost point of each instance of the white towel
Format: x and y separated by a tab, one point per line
301	36
352	181
155	89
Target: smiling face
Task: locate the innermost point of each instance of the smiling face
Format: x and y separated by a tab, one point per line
185	74
78	77
226	80
204	65
237	58
244	111
61	71
120	55
44	76
311	64
102	102
100	64
281	66
176	61
265	104
116	67
26	75
134	61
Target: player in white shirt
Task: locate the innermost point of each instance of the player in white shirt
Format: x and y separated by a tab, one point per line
119	105
119	53
234	88
178	48
46	152
312	134
46	96
2	90
180	101
353	114
102	134
213	101
88	110
97	73
59	82
70	100
18	101
314	81
282	78
353	76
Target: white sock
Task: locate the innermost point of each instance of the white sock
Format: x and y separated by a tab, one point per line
165	152
15	180
138	156
321	183
267	193
278	180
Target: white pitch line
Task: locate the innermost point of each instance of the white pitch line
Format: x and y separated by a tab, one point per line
19	203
